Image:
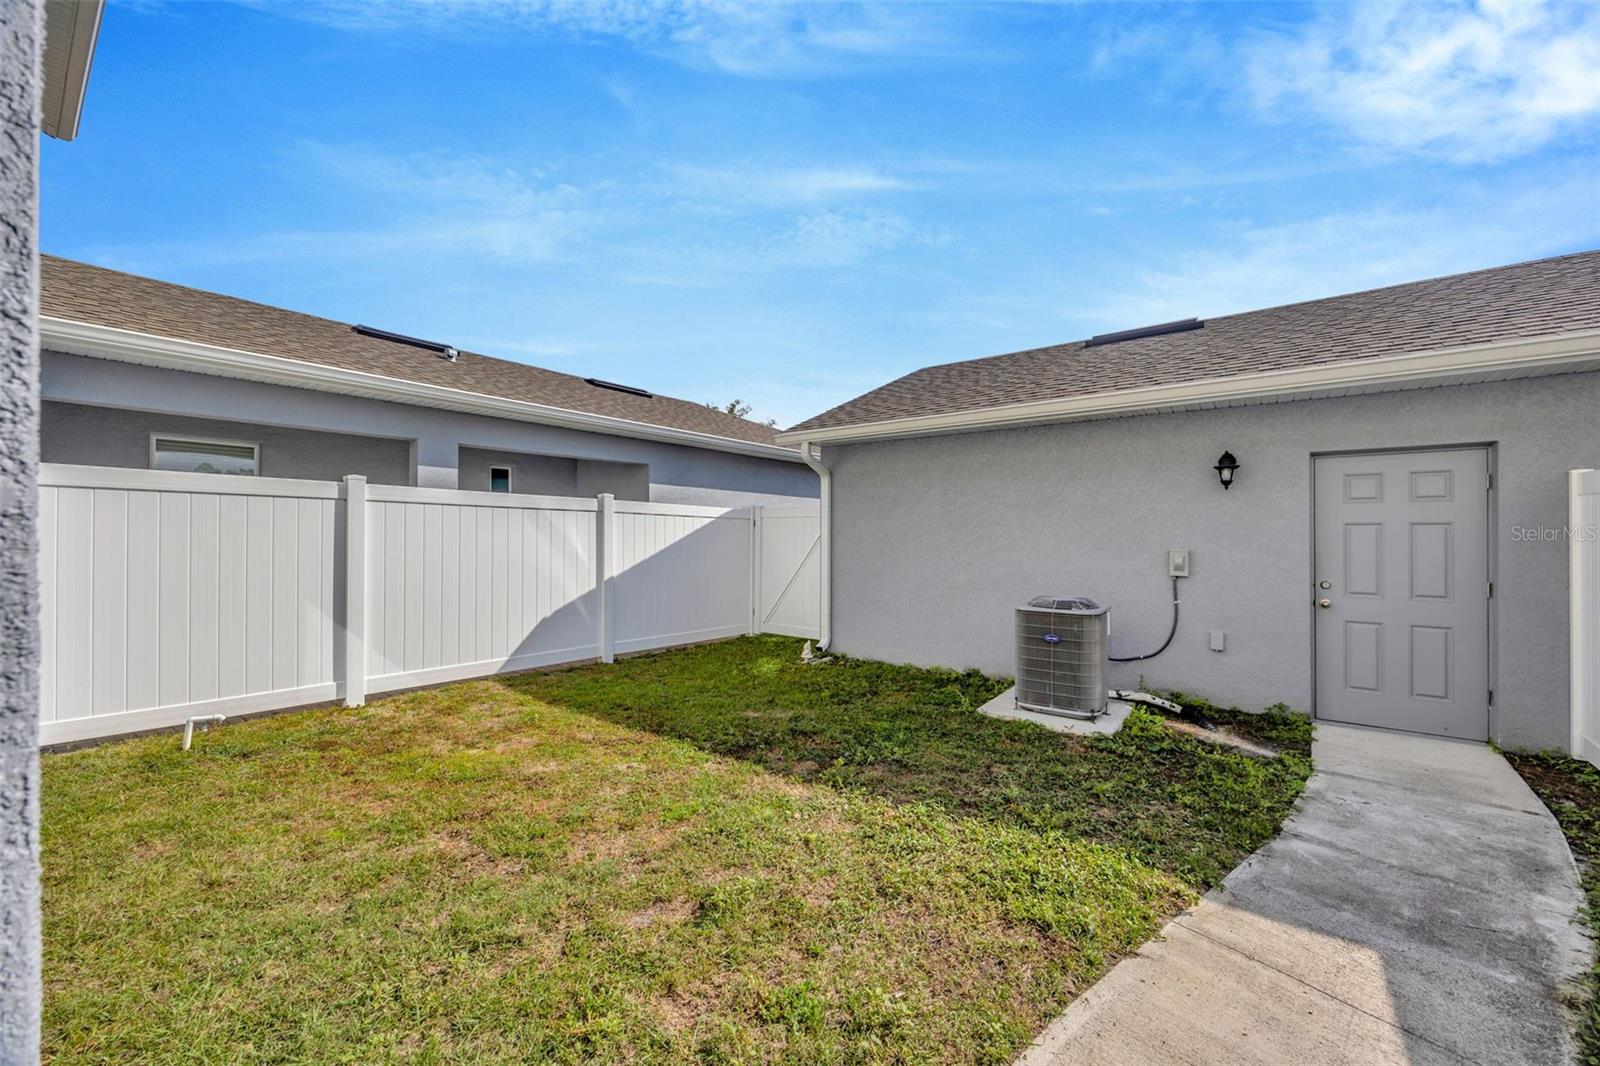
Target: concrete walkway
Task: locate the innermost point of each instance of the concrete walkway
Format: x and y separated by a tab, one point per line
1419	907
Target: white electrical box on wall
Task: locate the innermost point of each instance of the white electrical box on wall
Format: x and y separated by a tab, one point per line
1178	563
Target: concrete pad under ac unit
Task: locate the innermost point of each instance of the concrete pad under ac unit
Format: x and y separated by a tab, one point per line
1005	706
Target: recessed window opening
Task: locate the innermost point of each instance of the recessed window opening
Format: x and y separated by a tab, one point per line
499	479
195	456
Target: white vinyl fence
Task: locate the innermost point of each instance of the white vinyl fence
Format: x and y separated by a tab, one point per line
1582	525
461	584
167	595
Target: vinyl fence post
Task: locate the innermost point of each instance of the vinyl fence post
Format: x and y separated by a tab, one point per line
355	590
605	528
1582	584
756	534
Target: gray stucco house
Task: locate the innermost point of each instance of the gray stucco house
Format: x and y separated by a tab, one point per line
142	373
46	51
1391	550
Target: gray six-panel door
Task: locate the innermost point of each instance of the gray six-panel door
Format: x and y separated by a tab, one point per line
1402	591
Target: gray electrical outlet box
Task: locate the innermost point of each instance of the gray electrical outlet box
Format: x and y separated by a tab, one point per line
1178	563
1218	640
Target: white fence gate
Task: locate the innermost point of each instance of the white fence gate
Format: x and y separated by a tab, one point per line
786	590
167	595
1583	524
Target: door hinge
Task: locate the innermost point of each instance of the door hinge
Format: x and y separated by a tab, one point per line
1491	697
1491	590
1491	482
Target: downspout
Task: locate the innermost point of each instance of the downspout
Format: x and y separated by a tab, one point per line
813	459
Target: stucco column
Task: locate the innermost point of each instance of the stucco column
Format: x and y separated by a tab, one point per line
21	40
434	461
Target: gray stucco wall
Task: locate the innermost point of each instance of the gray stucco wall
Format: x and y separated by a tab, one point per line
678	474
937	540
555	475
110	436
544	475
21	37
625	481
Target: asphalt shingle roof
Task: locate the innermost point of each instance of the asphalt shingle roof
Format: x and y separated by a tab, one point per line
84	293
1523	301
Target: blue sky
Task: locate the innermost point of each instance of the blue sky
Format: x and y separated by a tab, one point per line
795	203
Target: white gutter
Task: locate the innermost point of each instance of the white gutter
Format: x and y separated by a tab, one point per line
129	346
824	545
1415	370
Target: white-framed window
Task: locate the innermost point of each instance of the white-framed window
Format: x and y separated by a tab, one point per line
499	479
195	456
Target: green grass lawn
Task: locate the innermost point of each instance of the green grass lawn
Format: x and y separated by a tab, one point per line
713	854
1571	789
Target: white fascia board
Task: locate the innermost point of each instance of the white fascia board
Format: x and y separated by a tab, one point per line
130	346
1420	369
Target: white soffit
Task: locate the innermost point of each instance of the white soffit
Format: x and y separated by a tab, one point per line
71	28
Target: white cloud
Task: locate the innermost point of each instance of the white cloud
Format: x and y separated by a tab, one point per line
712	261
457	204
758	184
1168	45
1265	266
424	176
839	238
749	39
1471	82
428	204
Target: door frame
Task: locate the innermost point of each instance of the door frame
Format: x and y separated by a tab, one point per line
1492	503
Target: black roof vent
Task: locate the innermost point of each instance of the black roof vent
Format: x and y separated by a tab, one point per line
614	387
1183	325
445	350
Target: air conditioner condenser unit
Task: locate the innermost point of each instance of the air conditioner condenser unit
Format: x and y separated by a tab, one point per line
1061	656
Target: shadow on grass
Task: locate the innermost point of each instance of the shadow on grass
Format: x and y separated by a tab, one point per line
912	735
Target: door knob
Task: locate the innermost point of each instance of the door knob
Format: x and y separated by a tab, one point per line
1324	603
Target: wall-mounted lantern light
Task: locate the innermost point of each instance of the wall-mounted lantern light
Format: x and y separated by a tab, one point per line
1225	468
